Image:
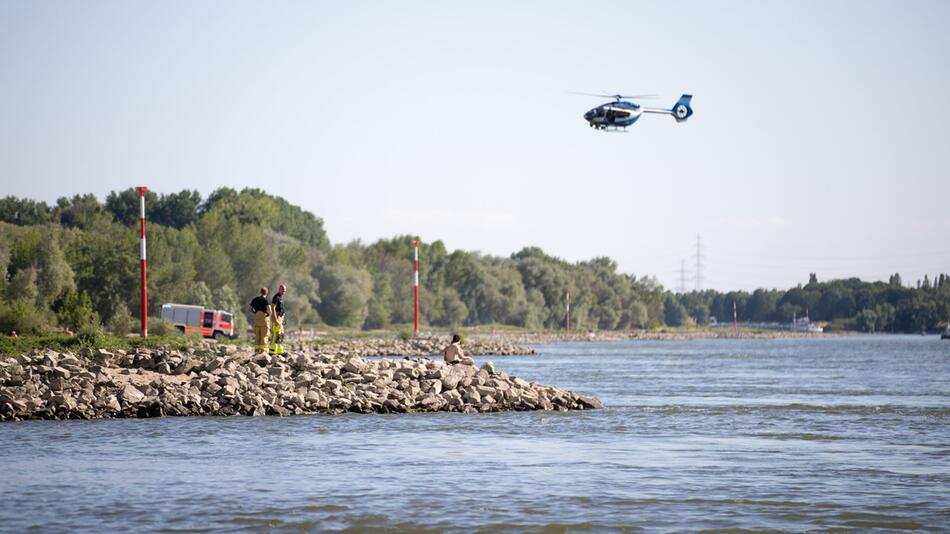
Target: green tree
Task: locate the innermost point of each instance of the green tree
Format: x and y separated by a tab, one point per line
77	312
54	275
199	294
23	286
23	212
346	292
4	262
176	210
453	309
674	314
635	315
761	305
866	320
380	303
80	211
885	314
225	298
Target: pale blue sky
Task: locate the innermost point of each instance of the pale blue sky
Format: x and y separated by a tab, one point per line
819	140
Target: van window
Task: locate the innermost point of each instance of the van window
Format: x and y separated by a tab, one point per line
209	320
226	318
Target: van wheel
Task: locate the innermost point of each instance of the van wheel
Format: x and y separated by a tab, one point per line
216	335
181	329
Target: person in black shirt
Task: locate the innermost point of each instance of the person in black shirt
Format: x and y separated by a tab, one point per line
277	322
262	311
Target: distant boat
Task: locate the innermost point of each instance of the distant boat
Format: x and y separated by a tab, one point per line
805	325
946	332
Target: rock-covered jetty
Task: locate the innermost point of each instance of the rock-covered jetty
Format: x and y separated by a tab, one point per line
424	346
223	381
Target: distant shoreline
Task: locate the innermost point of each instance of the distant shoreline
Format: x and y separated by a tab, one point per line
644	335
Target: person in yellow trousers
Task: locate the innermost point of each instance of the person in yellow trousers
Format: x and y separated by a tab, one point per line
277	321
262	311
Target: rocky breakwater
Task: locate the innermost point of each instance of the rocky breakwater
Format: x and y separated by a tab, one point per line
425	347
154	383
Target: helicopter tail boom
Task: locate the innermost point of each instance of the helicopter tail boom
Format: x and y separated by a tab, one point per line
681	109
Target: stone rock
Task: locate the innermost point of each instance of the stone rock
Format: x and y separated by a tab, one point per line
589	403
51	359
355	365
452	398
485	390
214	364
472	396
104	357
61	372
185	367
451	376
131	394
488	366
57	384
521	383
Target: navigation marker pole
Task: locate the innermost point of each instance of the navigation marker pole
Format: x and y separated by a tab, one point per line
142	189
567	321
415	269
735	326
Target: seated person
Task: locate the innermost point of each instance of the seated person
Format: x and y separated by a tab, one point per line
454	355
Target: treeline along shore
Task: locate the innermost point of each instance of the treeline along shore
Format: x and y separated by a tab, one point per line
74	265
225	379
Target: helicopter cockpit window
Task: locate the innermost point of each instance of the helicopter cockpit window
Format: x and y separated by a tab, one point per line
621	114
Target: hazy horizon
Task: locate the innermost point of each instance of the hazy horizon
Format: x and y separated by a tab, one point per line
816	145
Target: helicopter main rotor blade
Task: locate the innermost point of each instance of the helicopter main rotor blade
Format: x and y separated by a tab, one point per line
602	95
639	97
616	96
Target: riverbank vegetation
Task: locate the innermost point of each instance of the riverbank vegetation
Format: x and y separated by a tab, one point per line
74	266
849	304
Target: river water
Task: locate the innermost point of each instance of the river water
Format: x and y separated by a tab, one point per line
787	434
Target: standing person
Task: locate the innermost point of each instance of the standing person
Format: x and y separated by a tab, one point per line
261	310
453	353
277	324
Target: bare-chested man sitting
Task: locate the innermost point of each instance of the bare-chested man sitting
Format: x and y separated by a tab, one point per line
453	353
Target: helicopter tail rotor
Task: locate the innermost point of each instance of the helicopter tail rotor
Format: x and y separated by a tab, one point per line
682	110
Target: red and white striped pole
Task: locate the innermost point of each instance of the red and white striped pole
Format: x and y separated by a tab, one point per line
415	270
142	190
568	320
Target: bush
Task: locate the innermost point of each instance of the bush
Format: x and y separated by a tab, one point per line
22	317
120	323
404	334
161	327
90	335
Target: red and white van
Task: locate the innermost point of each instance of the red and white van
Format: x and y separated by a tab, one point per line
211	323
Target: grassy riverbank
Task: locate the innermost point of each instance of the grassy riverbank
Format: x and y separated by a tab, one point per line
10	346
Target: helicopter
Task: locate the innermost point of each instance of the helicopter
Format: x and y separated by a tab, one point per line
622	113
